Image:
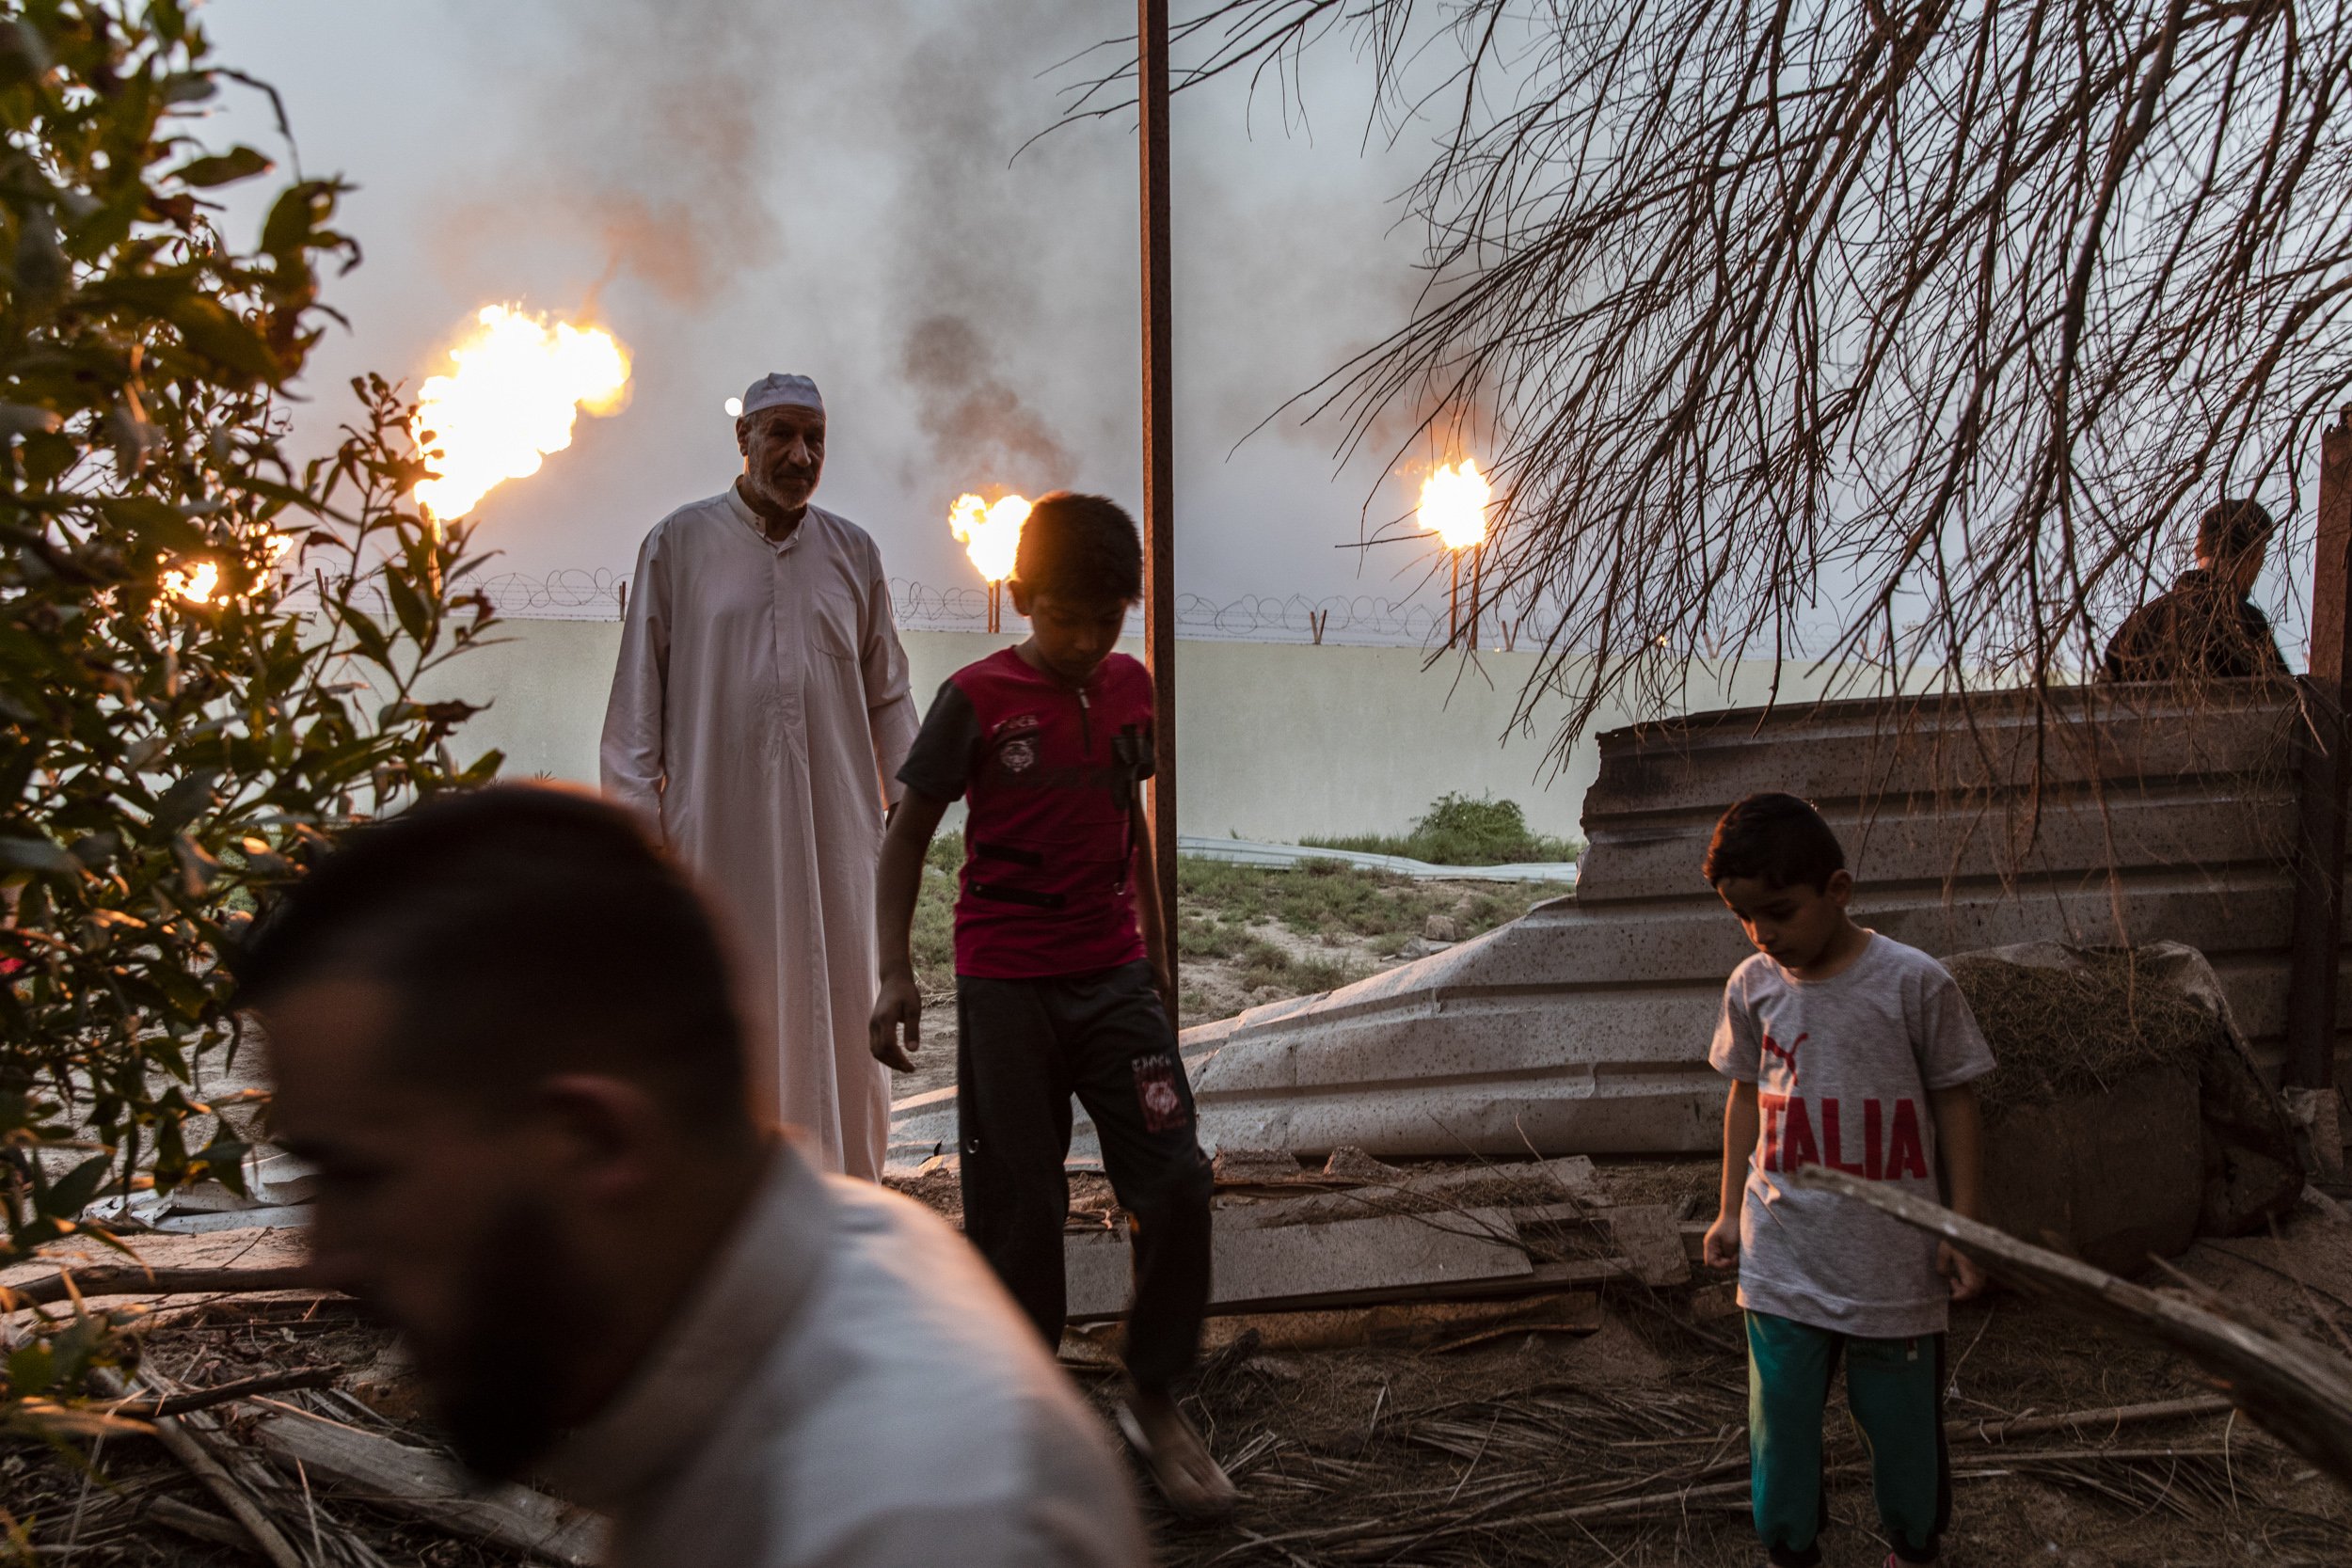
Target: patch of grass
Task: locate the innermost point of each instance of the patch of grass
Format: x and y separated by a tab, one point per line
935	918
1458	830
1332	901
1222	910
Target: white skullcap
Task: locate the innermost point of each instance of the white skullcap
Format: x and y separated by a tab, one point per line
778	391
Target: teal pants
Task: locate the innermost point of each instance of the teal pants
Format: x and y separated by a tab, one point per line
1894	1389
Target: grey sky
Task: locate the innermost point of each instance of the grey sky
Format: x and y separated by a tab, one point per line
746	184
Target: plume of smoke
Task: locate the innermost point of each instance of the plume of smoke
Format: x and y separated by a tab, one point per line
652	138
979	296
976	423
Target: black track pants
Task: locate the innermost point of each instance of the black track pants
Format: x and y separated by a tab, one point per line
1022	1048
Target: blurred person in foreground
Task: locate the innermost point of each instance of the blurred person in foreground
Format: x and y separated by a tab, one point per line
758	715
501	1026
2206	625
1060	988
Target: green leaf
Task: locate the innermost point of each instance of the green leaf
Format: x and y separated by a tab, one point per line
23	55
238	163
36	854
224	339
294	220
156	523
43	271
408	607
183	801
190	87
68	1197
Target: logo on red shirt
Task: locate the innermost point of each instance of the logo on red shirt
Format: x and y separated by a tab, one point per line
1773	1048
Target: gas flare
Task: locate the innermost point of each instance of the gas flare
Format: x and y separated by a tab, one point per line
989	531
196	585
1454	504
516	388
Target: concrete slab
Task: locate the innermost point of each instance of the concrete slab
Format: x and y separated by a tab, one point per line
1322	1263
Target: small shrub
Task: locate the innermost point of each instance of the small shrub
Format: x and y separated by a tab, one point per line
1459	830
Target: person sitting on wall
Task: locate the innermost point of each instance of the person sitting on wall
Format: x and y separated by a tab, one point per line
2205	628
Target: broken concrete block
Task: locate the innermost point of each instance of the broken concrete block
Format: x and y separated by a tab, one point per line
1323	1264
1647	1235
1397	1325
1353	1165
1237	1166
2126	1114
1486	1186
2112	1179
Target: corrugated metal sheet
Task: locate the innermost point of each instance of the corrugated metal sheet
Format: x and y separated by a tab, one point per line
2099	815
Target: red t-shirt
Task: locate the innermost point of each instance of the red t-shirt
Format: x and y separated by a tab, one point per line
1047	774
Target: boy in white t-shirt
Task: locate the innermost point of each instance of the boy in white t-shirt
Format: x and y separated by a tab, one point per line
1848	1048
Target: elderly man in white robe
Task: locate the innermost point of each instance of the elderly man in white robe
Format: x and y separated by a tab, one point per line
758	717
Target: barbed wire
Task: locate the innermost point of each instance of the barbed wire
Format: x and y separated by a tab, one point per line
600	594
581	594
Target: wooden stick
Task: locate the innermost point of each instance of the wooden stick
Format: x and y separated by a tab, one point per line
119	1280
198	1398
2113	1415
190	1520
2301	1391
424	1485
189	1450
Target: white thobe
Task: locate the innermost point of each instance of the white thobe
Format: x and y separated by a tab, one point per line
849	1386
758	716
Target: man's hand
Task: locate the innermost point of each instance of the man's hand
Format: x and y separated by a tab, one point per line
899	1008
1721	1251
1957	1266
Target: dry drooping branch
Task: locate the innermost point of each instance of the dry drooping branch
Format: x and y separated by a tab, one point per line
2299	1390
1904	333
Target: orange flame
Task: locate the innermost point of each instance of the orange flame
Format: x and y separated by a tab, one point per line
514	390
1454	504
989	531
196	585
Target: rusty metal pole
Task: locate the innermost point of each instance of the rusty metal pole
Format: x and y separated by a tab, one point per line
1159	443
2315	958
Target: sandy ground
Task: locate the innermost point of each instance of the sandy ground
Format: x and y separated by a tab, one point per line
1329	1445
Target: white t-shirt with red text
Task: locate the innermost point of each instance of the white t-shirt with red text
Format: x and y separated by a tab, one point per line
1842	1069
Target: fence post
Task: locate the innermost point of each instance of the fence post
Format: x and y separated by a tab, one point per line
1159	441
2316	957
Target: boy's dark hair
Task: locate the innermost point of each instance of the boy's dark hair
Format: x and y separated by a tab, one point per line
523	930
1776	839
1080	547
2230	529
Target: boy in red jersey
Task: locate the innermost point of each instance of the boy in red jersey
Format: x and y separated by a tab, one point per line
1060	987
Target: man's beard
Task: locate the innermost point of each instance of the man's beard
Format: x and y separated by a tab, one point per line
528	1327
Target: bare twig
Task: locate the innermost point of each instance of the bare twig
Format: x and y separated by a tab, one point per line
1903	338
2299	1389
114	1281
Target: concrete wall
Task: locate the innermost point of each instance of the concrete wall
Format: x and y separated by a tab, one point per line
1276	740
1582	1028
